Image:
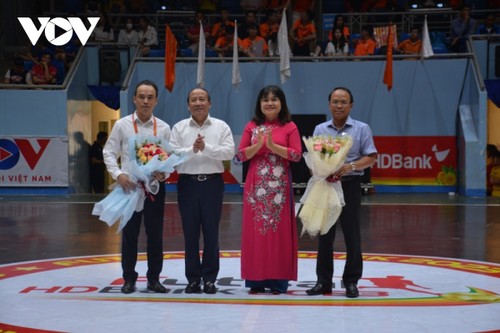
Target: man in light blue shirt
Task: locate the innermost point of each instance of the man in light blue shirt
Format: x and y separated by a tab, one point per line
361	156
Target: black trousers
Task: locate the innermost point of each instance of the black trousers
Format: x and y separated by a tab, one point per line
153	223
349	221
200	206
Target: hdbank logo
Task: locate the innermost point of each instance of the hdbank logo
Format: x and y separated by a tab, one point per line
49	25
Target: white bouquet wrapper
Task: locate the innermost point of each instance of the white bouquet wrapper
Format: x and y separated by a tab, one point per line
322	201
120	205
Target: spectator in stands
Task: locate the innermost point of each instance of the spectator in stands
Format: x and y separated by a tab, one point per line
193	32
207	6
276	5
44	72
250	5
271	25
338	46
365	45
461	28
17	74
103	32
339	22
250	19
489	27
148	37
413	44
219	28
302	6
128	36
254	45
304	35
225	44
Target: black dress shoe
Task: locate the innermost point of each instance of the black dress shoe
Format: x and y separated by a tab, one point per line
209	288
128	287
351	290
156	287
193	288
256	290
319	289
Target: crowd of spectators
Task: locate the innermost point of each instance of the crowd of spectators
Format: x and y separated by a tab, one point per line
257	29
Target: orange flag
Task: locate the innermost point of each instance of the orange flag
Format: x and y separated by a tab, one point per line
388	64
170	54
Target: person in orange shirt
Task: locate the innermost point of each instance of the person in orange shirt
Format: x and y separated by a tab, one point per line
272	24
339	22
366	45
303	35
225	44
219	28
411	45
254	45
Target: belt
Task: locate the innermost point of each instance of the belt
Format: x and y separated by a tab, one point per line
201	177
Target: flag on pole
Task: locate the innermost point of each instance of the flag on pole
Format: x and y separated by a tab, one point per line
388	63
200	77
170	55
426	51
236	65
284	49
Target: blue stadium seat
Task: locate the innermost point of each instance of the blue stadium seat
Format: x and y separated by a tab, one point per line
157	53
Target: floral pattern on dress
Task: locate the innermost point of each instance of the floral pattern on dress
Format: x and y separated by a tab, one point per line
268	195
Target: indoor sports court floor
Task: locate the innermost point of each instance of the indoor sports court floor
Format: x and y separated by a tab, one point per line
432	264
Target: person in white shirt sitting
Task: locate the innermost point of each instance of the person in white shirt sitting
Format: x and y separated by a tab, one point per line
128	36
148	37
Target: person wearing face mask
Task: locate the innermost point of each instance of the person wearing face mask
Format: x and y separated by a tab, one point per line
270	141
200	189
128	36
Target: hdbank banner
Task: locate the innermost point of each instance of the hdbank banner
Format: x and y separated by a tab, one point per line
415	160
33	161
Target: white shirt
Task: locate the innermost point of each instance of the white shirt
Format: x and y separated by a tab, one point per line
151	36
103	36
331	50
219	145
128	38
117	144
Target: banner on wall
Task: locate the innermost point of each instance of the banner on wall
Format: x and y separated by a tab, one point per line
33	161
415	160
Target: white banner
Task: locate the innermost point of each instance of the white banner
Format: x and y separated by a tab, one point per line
33	161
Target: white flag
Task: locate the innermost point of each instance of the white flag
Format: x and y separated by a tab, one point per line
200	79
236	65
426	41
284	49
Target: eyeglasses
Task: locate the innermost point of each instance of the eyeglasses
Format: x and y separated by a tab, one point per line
343	102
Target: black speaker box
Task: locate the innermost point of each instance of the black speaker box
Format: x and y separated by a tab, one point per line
110	68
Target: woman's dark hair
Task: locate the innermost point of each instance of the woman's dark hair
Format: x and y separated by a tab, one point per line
338	44
284	115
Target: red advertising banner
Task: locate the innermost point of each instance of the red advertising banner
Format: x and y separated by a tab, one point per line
33	161
415	160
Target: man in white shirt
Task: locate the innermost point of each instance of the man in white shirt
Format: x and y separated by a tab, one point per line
141	122
148	37
200	189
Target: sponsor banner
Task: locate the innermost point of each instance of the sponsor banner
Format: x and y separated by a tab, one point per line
415	160
33	161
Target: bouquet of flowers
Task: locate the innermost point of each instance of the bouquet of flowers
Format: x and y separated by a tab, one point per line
322	202
151	155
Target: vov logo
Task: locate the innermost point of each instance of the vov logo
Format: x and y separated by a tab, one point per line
49	26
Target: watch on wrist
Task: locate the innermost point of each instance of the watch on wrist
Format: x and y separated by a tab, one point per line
353	166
